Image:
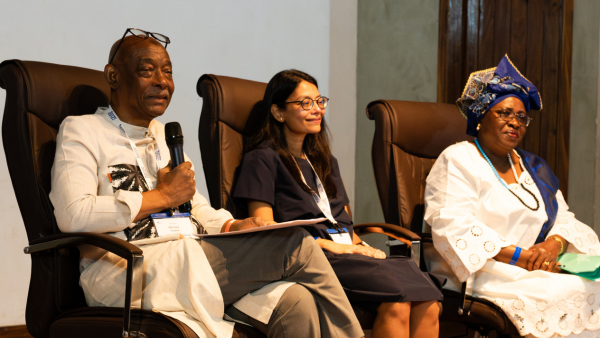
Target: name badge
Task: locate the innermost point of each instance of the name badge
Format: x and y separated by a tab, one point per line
340	237
179	223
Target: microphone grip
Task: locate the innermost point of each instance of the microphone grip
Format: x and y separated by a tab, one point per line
185	207
176	155
177	158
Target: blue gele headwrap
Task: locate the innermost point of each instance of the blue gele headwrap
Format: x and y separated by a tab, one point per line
486	88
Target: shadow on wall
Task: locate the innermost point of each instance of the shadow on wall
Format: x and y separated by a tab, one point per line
397	60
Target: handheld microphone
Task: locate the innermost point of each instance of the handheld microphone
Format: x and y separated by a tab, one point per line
174	138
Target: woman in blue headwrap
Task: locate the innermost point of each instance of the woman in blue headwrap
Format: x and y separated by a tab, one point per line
499	220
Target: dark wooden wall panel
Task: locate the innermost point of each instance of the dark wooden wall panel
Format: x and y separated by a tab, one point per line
518	37
486	37
502	29
472	34
535	29
537	36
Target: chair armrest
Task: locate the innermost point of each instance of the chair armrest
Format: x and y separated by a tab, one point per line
426	237
412	240
115	245
121	248
385	228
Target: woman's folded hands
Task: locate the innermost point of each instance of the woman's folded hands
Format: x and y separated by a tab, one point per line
338	248
542	256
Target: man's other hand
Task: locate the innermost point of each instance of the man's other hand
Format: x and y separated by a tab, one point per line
248	223
178	185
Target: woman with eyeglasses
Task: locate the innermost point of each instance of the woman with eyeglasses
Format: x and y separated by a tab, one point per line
288	173
499	220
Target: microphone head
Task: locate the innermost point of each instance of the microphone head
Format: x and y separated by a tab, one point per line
173	134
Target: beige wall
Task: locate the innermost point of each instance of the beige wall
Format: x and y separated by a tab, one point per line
397	59
584	172
342	87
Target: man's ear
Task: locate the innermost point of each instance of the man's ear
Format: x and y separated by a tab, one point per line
111	76
276	114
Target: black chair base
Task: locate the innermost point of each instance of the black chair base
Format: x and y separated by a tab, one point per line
479	314
101	322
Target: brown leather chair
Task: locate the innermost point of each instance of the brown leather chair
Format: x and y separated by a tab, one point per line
409	136
38	97
230	111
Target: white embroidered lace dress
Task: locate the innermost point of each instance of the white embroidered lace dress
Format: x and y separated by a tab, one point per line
473	216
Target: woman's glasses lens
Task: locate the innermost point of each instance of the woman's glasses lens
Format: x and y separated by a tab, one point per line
308	103
523	119
507	115
322	102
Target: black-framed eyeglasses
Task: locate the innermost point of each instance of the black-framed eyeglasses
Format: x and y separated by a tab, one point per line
140	33
308	103
509	115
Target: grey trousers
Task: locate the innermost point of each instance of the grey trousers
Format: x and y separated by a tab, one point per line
316	307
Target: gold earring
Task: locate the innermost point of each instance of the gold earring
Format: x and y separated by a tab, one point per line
478	126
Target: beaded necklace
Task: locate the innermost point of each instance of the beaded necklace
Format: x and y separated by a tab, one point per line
512	166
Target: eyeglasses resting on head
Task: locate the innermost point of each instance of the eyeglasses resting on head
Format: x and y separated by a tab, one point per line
140	33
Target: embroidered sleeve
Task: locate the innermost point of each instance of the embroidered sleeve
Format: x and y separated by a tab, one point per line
581	238
451	199
74	194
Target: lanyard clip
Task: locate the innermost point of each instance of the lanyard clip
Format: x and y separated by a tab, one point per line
337	227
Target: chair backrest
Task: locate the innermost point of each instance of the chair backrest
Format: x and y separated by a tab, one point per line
230	111
409	136
38	97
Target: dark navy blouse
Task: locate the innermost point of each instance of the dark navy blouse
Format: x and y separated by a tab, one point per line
264	177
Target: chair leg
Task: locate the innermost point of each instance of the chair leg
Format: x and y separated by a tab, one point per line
455	329
415	252
133	294
483	332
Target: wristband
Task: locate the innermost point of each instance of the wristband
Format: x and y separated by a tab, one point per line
515	256
229	225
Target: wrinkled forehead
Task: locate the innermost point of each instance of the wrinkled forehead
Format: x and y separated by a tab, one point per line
151	54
